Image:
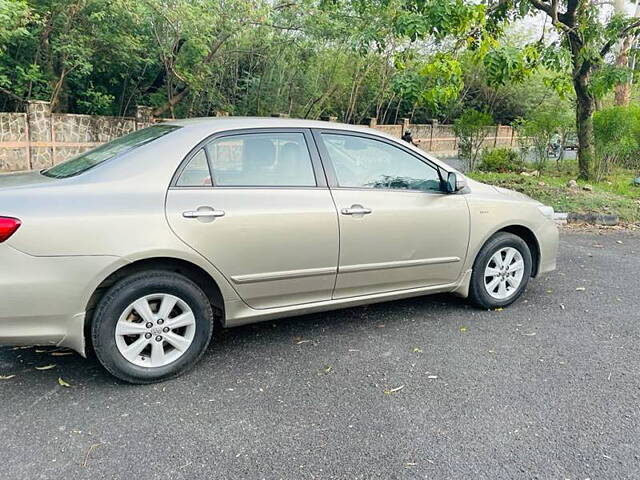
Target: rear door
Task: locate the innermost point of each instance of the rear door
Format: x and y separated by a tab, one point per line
398	229
255	203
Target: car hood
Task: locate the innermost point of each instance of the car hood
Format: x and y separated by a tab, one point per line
23	179
490	190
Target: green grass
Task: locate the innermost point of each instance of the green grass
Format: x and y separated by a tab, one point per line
614	195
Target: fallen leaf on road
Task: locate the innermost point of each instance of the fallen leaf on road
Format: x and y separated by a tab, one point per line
417	350
393	390
6	377
463	329
562	306
529	334
498	309
86	457
432	377
580	289
326	370
619	241
46	367
61	354
549	291
597	245
62	383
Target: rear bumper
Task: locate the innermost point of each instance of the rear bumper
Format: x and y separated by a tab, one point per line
43	299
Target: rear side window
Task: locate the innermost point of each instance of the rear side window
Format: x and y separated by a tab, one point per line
261	160
196	173
91	158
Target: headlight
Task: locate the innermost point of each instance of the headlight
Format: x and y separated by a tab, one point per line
546	211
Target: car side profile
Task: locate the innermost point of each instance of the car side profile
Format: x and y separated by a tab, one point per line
140	248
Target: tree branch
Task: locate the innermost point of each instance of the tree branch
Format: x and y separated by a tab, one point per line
9	93
625	31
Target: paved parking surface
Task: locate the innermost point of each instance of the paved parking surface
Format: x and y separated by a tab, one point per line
423	388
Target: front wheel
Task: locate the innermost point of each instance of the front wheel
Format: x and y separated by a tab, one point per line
152	326
501	271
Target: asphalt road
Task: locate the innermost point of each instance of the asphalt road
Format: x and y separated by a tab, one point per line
548	388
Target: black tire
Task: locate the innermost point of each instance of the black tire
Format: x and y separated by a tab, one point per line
478	294
123	294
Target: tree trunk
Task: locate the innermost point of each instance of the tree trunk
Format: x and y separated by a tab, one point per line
585	106
623	90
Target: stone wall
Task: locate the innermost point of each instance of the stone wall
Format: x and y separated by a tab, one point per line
39	139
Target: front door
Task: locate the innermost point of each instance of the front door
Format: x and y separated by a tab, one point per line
398	229
256	205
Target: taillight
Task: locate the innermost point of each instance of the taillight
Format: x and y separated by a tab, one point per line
8	227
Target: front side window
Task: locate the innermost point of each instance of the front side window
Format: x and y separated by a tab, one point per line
91	158
261	160
361	162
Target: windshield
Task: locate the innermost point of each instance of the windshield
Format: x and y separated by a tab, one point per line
91	158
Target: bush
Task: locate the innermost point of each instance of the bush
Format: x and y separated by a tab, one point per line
500	160
616	133
471	130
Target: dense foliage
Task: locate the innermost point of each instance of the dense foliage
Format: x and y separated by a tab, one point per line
617	134
306	58
354	59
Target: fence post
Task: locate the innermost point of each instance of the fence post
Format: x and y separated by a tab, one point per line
40	132
495	140
280	115
373	122
405	125
144	116
329	118
434	125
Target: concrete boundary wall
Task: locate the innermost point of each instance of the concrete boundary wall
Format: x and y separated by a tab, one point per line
440	139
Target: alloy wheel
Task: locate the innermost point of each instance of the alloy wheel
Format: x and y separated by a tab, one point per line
155	330
503	273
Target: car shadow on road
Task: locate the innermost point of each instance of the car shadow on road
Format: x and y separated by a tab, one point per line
262	339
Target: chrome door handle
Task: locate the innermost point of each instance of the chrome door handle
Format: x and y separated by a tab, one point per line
203	214
356	210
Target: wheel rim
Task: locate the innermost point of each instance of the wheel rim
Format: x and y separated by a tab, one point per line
155	330
503	273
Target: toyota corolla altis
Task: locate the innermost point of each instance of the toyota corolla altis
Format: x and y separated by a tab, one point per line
141	247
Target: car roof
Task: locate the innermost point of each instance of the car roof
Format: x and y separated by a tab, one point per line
214	124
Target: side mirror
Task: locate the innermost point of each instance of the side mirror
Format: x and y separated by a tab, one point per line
455	183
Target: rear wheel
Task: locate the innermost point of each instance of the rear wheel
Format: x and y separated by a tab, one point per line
501	271
152	326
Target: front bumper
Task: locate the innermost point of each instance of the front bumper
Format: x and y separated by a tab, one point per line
43	299
548	241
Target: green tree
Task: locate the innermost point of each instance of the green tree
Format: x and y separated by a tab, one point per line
587	37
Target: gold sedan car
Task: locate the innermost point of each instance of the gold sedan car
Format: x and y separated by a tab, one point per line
142	246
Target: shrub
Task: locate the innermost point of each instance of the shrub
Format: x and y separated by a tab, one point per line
500	160
617	138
